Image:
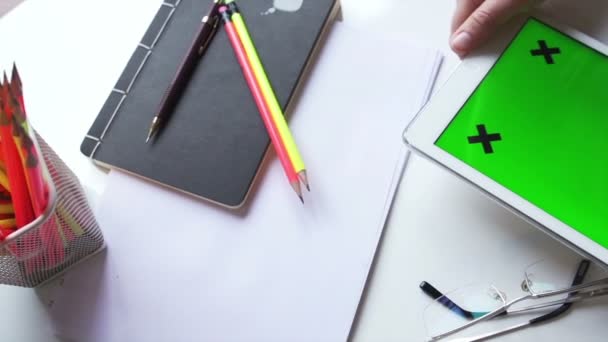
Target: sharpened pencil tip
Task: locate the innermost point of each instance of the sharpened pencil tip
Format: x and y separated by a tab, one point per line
296	187
304	178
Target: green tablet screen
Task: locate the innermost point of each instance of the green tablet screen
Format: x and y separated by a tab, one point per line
538	125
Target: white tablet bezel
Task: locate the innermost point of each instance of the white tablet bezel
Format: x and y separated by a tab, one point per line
433	119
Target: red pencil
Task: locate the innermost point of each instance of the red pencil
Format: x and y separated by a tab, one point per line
25	144
258	96
37	188
17	86
21	200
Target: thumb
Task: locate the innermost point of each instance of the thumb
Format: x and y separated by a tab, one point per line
482	23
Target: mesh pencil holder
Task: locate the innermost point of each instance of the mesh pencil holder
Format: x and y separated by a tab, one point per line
63	235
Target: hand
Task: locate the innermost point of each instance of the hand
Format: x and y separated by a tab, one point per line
476	20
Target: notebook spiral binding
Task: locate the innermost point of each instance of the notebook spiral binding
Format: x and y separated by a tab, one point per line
167	9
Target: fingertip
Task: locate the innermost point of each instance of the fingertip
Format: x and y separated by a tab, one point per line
461	43
482	23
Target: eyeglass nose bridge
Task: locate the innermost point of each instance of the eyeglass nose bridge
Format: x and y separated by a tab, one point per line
497	294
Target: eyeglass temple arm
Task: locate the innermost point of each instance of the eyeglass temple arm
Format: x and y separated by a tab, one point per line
580	296
579	277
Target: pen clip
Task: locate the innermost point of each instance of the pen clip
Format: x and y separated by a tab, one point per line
214	24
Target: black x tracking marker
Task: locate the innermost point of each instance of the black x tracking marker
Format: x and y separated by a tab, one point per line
485	139
546	51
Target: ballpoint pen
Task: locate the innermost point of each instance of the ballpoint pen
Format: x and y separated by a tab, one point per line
184	72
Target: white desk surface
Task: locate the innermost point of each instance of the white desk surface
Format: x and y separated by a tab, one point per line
440	230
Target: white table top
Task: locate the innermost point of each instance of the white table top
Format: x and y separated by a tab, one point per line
440	230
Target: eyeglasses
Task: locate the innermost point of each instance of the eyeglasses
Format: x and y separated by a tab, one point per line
464	308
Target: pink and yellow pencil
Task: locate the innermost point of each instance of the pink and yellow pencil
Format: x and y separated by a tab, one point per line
270	98
258	97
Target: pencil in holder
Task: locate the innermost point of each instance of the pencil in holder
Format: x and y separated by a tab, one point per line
65	234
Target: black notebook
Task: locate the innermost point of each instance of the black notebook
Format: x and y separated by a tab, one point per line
215	141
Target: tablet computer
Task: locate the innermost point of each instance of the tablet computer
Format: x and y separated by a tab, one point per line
525	119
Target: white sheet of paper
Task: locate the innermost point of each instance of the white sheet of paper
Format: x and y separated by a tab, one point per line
178	269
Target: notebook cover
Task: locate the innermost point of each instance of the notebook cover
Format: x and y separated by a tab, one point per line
215	140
